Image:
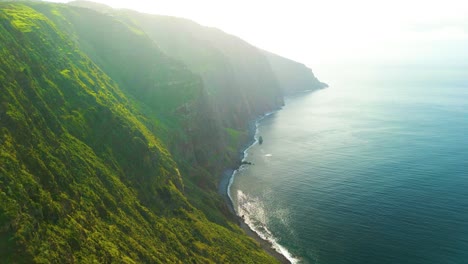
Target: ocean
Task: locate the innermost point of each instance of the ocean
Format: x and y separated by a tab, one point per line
373	169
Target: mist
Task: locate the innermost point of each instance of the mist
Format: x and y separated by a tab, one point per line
324	34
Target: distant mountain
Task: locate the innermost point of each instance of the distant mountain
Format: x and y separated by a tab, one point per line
115	127
293	76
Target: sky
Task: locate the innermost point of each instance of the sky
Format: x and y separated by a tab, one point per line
332	32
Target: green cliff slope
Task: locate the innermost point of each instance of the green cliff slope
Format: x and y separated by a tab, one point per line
230	67
172	99
89	170
115	127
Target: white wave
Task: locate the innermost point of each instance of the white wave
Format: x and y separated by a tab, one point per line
252	210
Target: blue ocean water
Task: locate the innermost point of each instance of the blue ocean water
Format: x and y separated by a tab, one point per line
373	169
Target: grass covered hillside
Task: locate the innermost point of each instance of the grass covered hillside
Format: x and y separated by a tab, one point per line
171	99
93	121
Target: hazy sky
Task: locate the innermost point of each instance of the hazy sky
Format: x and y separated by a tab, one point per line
333	31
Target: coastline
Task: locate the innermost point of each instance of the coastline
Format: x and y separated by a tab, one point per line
264	244
225	186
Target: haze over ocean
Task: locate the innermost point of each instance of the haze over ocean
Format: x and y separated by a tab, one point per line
373	169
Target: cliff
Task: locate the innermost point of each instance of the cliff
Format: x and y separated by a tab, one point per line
113	136
230	67
293	76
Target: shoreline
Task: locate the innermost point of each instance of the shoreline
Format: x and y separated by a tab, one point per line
225	186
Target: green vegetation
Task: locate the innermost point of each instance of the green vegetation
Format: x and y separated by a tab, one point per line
23	19
230	67
236	138
115	128
104	150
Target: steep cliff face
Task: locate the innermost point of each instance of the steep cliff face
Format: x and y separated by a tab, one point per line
173	99
237	76
115	127
86	174
230	67
293	76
